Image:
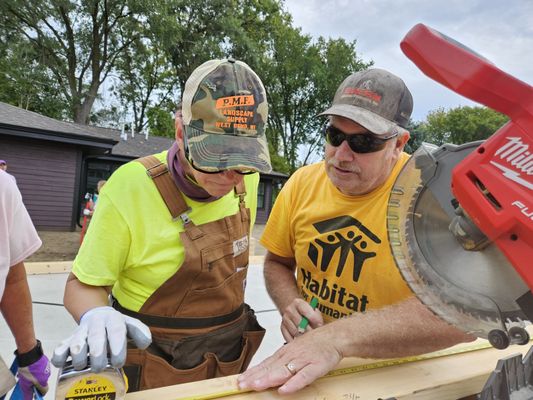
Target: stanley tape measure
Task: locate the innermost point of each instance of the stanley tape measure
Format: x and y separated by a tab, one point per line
359	368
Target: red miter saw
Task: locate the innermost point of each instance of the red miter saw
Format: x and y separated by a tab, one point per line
460	218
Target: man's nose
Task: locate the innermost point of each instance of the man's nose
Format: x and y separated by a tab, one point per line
343	152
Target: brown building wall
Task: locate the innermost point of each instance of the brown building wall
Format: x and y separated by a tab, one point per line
47	176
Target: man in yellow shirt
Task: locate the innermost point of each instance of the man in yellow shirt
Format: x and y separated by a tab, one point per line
168	244
327	239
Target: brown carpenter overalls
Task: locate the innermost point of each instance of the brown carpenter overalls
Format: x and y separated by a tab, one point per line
201	327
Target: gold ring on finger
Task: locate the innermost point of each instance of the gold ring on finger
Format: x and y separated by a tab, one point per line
291	367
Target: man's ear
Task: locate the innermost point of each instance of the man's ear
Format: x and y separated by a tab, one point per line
402	140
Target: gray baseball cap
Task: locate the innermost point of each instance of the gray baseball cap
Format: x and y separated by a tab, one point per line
375	99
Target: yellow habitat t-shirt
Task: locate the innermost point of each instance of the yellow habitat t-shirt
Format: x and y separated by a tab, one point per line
340	242
133	244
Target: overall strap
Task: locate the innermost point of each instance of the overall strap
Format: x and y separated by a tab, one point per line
168	190
240	191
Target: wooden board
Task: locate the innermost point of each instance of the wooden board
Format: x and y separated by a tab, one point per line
443	378
48	267
61	267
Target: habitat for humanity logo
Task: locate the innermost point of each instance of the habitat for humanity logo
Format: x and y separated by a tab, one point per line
346	238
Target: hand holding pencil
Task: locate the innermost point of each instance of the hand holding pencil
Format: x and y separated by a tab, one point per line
305	322
299	317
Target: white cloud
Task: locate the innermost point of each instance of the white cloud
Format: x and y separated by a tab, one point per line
501	31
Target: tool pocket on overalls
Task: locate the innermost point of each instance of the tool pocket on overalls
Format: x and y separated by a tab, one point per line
150	371
219	288
231	347
252	338
224	351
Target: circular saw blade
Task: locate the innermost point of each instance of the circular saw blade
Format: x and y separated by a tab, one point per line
473	290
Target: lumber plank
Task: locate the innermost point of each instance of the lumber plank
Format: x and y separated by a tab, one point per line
443	378
48	267
61	267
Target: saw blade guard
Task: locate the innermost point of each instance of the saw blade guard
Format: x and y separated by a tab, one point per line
462	287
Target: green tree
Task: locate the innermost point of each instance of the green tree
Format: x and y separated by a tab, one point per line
417	136
192	32
77	41
160	121
339	59
181	35
23	83
301	77
254	34
109	116
150	47
146	82
462	124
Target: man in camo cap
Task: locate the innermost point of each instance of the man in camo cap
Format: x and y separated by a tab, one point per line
164	261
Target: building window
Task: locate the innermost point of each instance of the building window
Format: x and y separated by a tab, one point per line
261	196
98	170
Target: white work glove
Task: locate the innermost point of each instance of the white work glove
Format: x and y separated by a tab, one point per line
98	327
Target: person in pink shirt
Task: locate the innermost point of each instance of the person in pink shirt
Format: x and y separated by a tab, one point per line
18	240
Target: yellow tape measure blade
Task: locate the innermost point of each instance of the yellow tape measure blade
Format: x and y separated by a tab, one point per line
404	360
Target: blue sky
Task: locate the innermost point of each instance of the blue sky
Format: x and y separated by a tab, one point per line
501	31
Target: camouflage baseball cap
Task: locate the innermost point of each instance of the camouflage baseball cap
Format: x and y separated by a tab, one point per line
225	110
375	99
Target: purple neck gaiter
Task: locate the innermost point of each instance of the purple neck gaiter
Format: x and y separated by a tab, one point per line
184	183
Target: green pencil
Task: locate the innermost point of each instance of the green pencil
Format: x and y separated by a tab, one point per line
304	322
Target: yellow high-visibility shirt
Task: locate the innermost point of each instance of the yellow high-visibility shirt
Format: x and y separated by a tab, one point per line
133	244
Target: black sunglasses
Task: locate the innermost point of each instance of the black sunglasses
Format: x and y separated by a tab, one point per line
366	142
203	171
